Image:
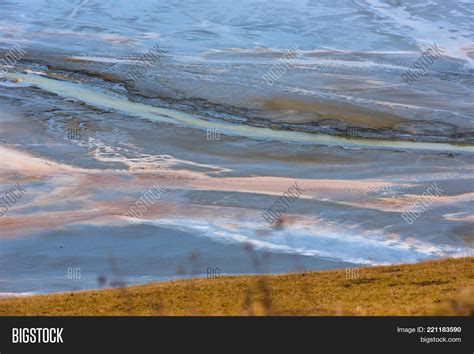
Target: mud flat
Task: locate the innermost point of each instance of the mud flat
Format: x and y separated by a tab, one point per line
86	145
216	193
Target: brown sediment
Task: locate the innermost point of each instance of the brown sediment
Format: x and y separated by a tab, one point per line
401	203
175	179
69	183
77	60
25	164
101	75
301	157
305	111
62	77
283	113
42	222
462	216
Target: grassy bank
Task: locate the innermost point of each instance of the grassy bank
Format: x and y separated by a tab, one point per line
444	287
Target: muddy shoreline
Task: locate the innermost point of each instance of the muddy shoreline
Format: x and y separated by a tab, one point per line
355	191
315	117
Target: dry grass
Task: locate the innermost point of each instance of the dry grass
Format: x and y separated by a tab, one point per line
443	287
